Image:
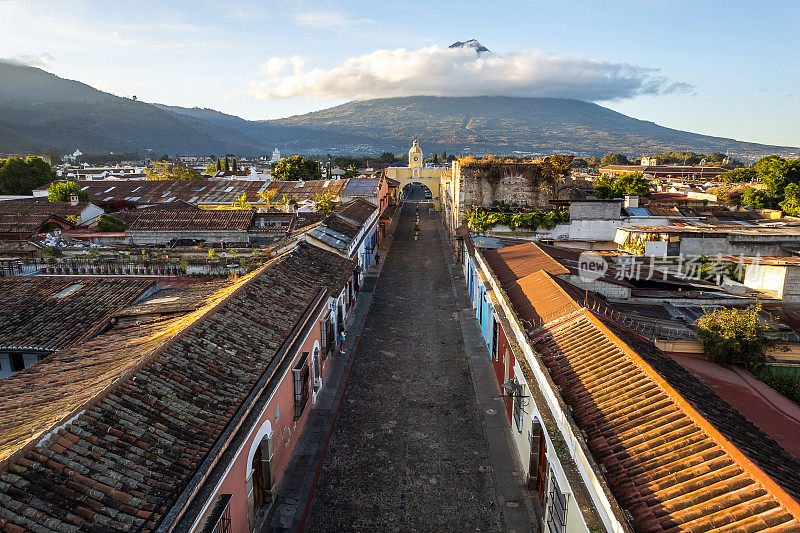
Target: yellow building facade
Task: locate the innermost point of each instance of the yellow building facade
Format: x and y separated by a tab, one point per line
417	172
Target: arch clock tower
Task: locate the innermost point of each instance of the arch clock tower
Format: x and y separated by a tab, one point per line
415	156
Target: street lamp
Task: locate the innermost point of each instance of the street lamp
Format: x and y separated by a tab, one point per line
513	389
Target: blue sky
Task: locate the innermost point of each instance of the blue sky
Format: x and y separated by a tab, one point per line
719	68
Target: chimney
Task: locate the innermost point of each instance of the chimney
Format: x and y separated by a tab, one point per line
73	199
631	200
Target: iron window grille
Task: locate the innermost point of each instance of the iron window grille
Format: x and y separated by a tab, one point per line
557	508
219	519
301	375
518	398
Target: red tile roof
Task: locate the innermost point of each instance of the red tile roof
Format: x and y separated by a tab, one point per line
357	212
136	425
667	463
41	206
35	317
28	224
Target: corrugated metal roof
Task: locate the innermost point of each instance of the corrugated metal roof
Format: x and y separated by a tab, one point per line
514	262
193	219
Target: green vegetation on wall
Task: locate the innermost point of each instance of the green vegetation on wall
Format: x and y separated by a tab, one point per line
481	219
111	224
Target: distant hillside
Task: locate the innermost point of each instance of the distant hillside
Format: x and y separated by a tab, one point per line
39	110
504	124
35	86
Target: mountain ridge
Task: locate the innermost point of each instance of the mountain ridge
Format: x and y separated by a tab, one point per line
39	110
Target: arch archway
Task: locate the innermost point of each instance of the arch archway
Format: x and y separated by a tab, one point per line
260	477
416	191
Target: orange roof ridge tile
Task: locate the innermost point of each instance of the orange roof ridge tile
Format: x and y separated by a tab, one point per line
770	485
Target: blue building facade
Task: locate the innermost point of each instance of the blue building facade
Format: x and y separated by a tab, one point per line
484	310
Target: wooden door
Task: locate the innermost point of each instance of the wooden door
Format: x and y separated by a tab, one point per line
541	470
258	481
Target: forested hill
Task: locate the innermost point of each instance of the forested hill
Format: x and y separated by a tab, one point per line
40	111
504	124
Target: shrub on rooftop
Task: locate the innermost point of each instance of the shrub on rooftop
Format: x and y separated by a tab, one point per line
736	336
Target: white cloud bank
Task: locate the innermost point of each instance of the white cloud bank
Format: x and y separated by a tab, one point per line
437	71
29	60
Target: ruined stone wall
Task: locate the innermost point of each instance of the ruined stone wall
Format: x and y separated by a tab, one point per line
477	187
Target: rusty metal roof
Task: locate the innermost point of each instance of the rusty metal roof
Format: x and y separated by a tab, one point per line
193	219
514	262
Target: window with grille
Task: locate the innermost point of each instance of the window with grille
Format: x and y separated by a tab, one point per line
219	518
556	508
301	375
518	409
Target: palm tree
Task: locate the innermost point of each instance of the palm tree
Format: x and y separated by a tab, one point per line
242	203
324	202
284	202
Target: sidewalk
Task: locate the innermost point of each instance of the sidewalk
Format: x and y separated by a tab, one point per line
512	495
297	482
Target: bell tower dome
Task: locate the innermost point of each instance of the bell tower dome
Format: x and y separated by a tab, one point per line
415	156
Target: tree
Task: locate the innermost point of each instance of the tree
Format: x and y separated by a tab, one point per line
772	171
285	201
164	170
791	202
740	175
295	168
351	172
630	183
164	157
62	191
614	159
267	196
324	202
756	198
18	176
555	168
242	203
735	336
234	166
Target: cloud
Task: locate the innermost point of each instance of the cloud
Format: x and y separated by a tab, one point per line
29	60
437	71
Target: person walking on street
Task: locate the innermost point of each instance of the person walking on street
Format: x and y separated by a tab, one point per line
341	341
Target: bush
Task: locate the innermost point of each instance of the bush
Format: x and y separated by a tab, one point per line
109	223
785	382
735	336
482	220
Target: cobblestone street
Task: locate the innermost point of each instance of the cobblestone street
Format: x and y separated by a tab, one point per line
408	451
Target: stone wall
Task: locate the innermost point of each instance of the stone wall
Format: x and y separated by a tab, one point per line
477	188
